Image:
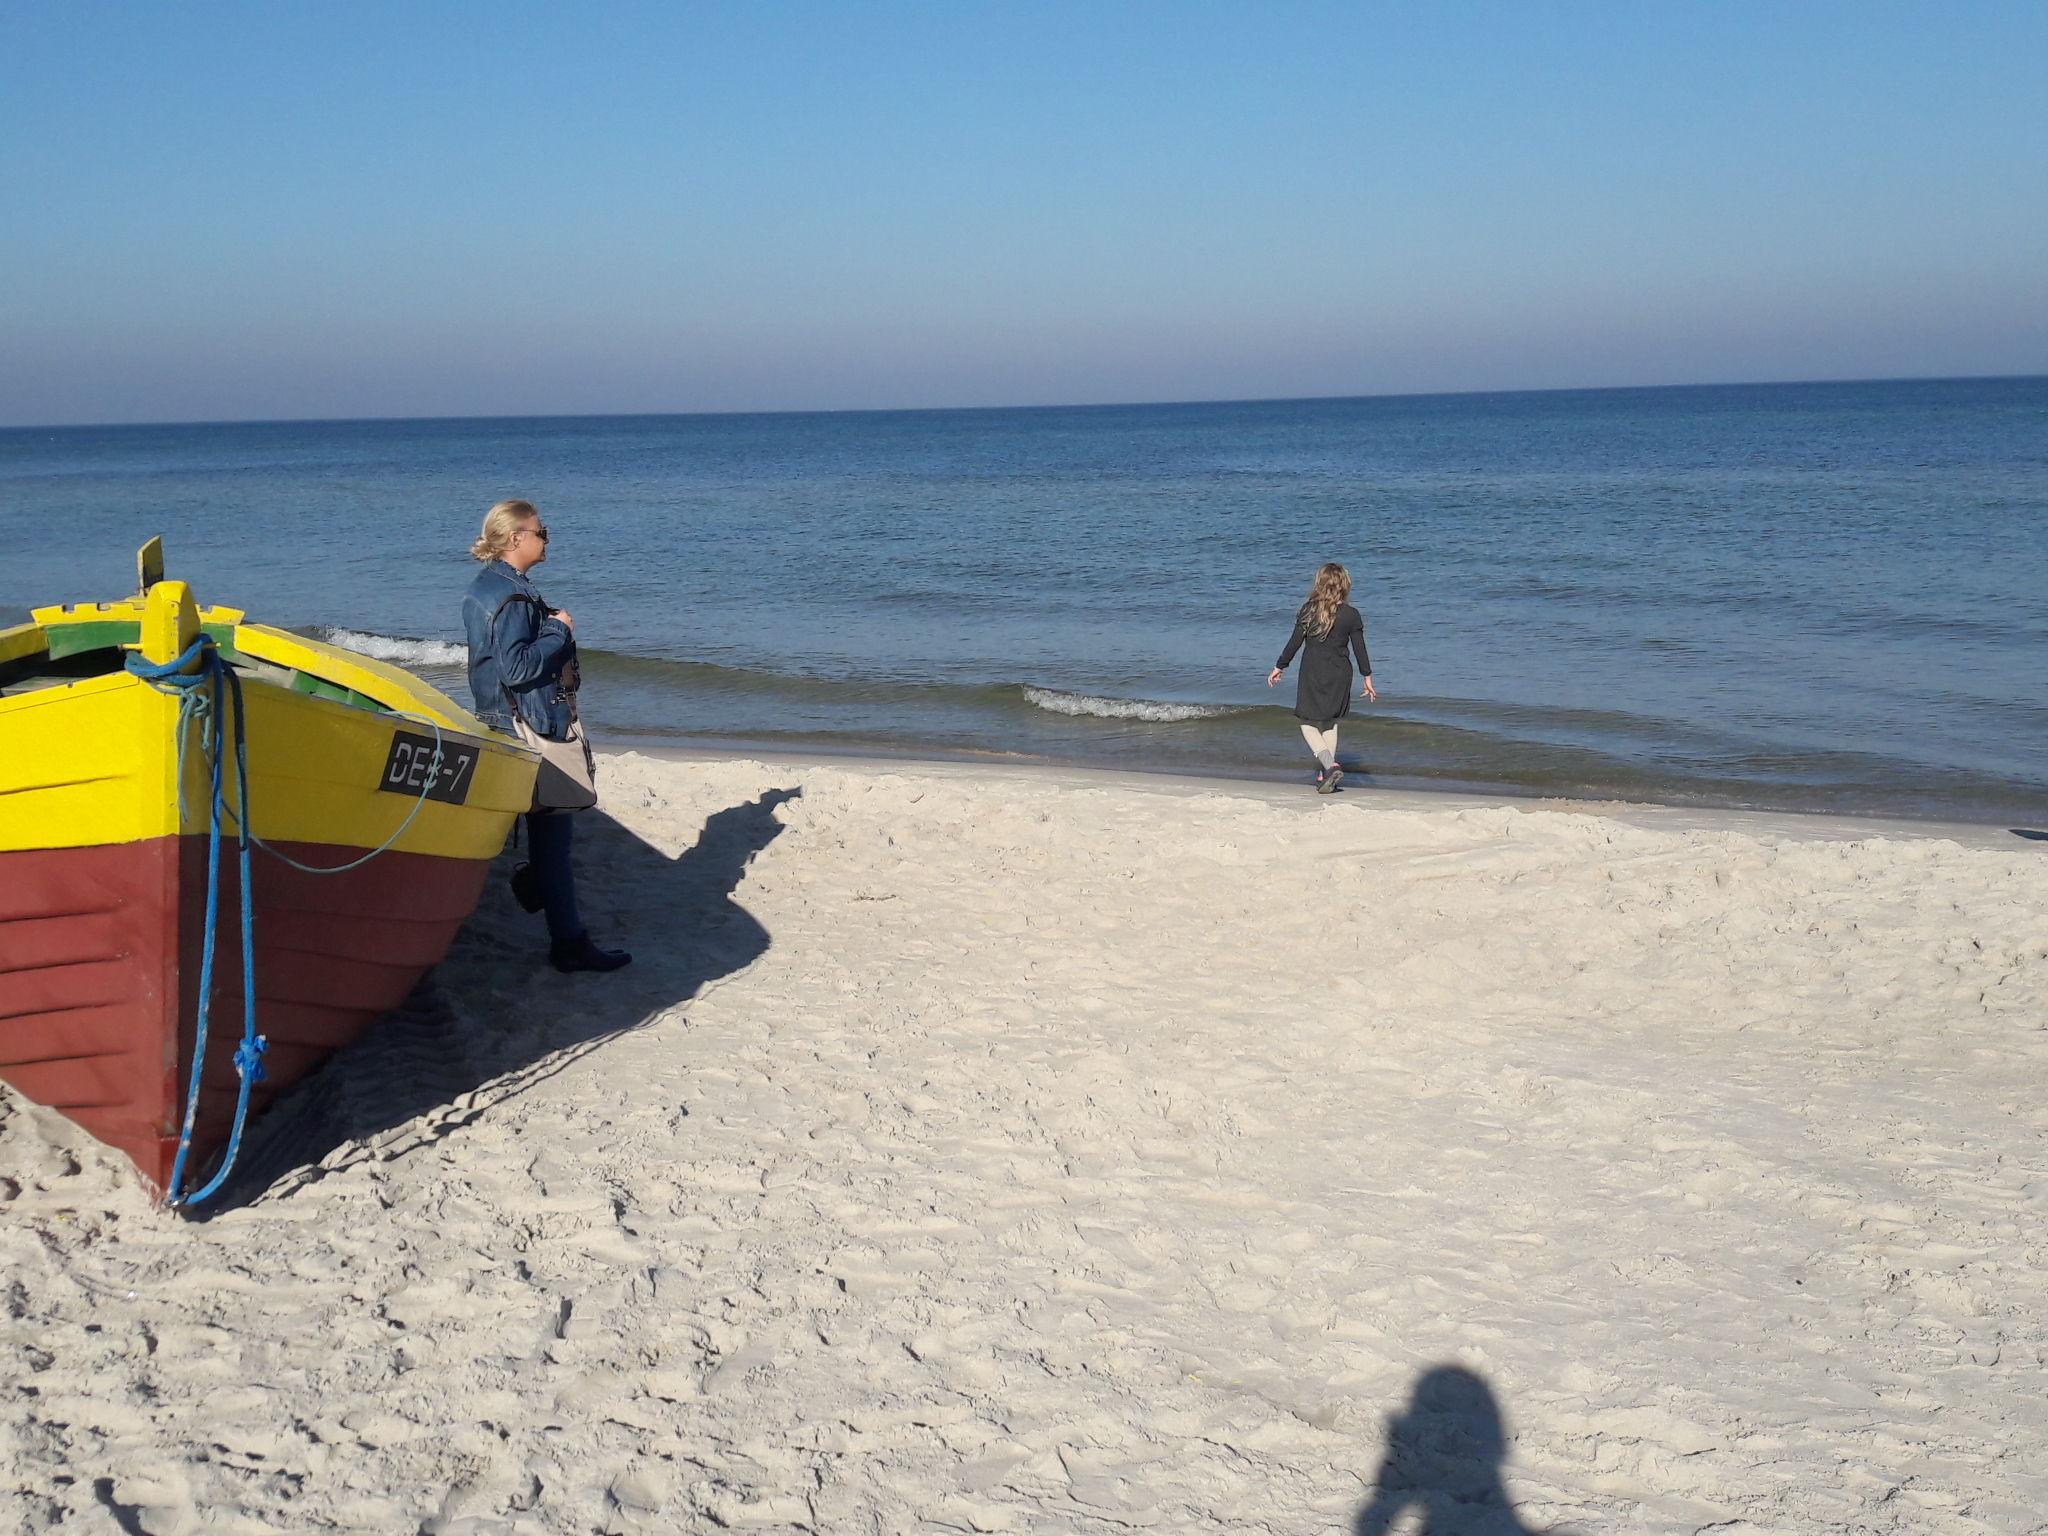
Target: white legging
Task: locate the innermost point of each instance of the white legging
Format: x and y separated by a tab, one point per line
1322	743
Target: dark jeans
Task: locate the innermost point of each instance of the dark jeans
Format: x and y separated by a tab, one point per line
548	836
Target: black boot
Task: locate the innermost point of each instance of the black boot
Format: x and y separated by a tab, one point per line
526	887
579	954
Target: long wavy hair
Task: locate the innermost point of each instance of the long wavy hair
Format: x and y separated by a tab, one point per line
1330	590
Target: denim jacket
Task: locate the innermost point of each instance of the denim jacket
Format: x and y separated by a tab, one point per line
517	647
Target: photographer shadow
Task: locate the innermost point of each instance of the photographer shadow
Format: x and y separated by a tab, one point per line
1443	1461
494	1020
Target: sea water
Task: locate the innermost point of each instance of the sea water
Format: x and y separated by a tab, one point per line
1827	596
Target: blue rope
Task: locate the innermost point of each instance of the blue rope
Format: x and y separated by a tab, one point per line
197	707
249	1053
201	707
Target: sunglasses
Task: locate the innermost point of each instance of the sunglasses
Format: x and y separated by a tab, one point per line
538	530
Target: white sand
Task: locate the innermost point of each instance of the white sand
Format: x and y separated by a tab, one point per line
1008	1151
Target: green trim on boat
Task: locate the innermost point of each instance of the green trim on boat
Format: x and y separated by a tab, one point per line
92	635
320	688
61	642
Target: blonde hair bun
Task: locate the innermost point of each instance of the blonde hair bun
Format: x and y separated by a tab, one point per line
501	525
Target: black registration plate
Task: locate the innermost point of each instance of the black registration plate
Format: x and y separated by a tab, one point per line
411	769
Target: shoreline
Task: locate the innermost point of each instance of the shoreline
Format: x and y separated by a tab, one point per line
1816	826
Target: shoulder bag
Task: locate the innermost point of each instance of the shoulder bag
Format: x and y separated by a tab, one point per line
567	780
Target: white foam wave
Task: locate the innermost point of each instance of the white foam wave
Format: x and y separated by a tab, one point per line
398	649
1156	710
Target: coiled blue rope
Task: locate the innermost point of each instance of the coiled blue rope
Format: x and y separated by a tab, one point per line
199	702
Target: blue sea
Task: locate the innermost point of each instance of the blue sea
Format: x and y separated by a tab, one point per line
1829	596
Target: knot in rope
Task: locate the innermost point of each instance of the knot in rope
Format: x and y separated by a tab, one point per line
199	693
198	676
249	1058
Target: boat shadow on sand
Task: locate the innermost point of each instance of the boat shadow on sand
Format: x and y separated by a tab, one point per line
493	1019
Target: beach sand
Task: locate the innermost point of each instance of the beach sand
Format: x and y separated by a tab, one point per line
973	1149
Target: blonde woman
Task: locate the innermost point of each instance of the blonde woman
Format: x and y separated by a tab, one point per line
522	662
1325	628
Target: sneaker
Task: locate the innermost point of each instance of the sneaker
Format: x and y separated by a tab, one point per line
526	887
1326	781
582	955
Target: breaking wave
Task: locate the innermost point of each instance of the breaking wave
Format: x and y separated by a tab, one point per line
398	649
1156	710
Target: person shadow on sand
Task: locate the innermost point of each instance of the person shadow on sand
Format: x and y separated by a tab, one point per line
491	1021
1444	1456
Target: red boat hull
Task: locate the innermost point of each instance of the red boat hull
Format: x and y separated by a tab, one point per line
100	956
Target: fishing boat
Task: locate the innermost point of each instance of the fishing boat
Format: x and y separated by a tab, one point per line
196	813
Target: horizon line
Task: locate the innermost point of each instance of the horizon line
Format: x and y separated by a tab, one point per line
1077	405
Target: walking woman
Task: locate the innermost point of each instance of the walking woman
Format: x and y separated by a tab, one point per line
523	679
1324	629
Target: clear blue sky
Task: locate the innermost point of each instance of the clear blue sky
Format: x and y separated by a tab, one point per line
232	211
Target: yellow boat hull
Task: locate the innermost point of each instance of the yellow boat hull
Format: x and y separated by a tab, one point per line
105	811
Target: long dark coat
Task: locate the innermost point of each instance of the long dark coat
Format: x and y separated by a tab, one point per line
1322	696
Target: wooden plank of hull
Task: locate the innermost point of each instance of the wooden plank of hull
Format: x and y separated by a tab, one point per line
87	974
99	975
